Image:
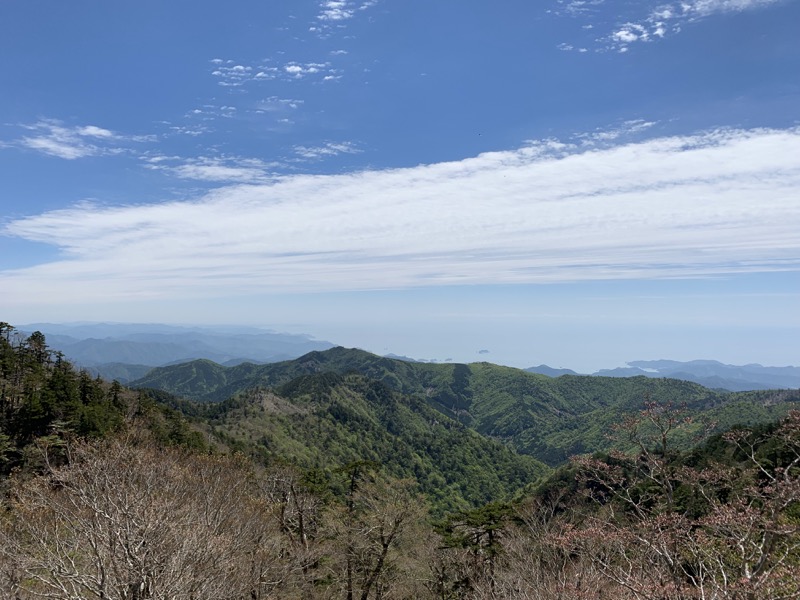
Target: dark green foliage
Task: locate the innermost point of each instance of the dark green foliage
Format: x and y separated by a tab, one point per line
549	419
44	401
479	529
326	420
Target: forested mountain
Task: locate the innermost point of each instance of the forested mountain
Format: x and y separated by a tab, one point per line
547	418
312	489
318	422
326	420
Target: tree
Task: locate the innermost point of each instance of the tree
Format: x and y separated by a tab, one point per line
375	534
128	521
665	530
480	533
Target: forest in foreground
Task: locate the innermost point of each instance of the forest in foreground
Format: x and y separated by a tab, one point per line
115	493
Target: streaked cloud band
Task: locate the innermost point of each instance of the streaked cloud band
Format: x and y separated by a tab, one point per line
693	206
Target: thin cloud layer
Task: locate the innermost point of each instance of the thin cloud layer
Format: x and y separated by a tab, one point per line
212	169
325	150
52	137
693	206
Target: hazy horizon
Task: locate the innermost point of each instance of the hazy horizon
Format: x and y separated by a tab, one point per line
468	350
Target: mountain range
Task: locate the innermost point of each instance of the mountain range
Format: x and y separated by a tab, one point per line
127	351
713	374
328	454
547	418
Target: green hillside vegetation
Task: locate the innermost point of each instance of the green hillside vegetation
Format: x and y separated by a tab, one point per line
318	423
550	419
108	493
325	420
122	372
44	402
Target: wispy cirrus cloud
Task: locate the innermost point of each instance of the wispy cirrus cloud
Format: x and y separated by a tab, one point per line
54	138
577	7
278	104
627	129
219	169
653	22
669	18
709	204
325	150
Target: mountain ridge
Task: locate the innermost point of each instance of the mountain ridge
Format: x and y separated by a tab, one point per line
103	347
547	418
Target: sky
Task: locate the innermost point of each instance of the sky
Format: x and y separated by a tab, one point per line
579	183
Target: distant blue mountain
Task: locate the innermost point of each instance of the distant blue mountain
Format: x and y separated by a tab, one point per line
104	347
713	374
550	371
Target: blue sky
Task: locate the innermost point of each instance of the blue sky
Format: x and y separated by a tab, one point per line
571	182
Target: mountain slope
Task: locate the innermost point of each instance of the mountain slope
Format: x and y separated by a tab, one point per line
325	420
547	418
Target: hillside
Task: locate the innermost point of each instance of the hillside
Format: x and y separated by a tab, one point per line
93	483
319	423
325	421
547	418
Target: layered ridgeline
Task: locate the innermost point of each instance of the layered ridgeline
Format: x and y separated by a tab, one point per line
322	423
108	493
125	352
550	419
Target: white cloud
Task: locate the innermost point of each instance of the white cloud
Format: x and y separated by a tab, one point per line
236	76
335	13
668	18
326	149
225	169
650	20
274	104
231	74
341	10
52	137
192	130
295	70
94	131
335	10
686	206
578	7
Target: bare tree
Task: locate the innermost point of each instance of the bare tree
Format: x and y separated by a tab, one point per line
375	536
127	521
